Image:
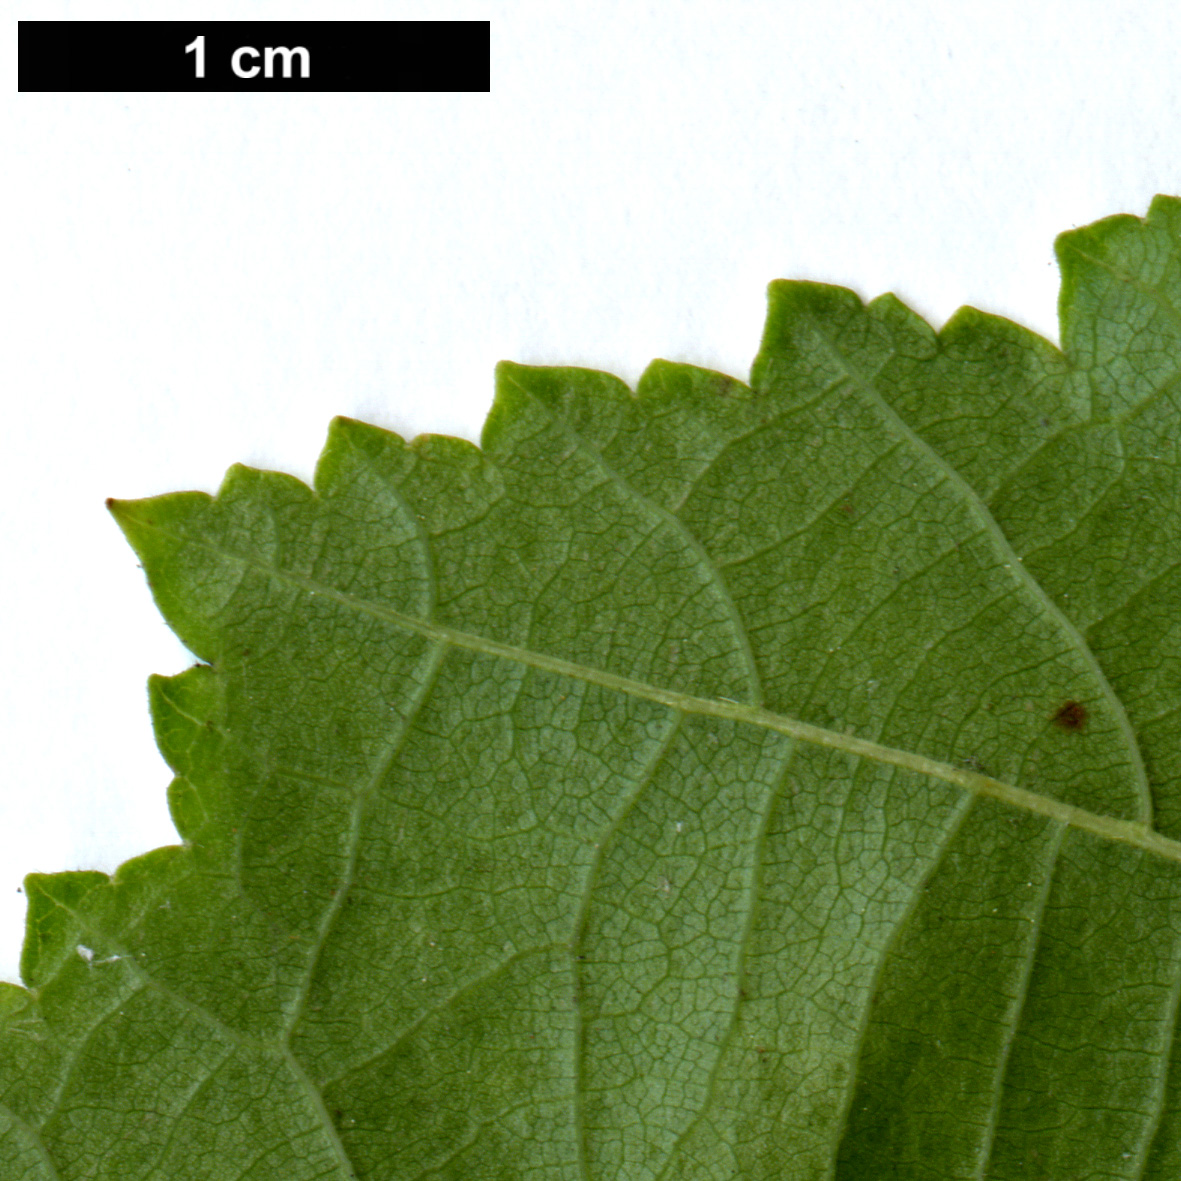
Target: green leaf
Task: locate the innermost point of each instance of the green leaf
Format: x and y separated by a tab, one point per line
777	781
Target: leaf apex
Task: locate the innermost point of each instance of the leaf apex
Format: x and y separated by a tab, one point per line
134	518
121	510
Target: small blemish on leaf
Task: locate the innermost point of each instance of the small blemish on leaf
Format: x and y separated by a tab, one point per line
1070	716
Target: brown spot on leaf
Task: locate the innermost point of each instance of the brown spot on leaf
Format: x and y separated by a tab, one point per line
1070	715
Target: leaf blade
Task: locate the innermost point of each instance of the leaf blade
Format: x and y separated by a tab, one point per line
621	799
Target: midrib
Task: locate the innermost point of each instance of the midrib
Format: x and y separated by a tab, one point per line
1129	832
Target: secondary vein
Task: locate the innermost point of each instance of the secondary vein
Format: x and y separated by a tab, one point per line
381	768
671	520
34	1138
1001	544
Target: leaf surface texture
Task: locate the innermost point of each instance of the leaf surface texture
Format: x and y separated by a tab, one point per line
770	781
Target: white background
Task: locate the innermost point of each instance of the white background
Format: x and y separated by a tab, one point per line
199	280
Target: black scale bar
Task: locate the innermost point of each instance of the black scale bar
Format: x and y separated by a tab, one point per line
314	56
